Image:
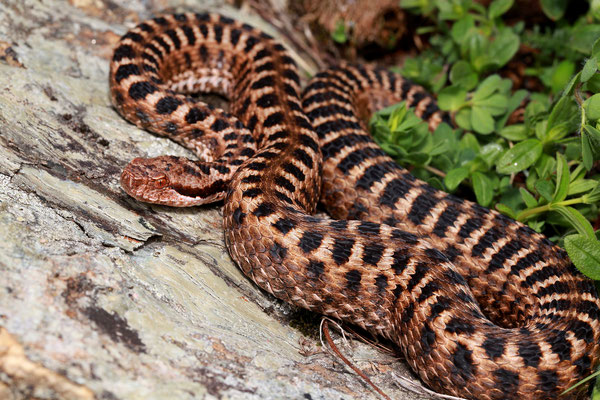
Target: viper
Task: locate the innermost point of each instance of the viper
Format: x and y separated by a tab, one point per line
481	306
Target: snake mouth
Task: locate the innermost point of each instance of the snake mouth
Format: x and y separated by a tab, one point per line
158	190
216	187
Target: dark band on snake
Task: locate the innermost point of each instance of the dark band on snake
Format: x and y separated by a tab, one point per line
480	305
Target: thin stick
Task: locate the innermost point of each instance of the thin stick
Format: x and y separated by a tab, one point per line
325	329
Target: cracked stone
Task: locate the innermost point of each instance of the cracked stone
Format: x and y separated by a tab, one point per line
104	297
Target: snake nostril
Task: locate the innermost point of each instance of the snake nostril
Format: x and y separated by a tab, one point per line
125	178
130	180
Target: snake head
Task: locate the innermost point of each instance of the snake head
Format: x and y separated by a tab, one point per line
170	181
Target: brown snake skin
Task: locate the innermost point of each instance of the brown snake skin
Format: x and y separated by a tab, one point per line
481	306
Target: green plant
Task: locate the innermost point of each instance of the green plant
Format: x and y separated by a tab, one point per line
542	167
539	170
340	34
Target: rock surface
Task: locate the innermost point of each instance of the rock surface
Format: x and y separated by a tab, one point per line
104	297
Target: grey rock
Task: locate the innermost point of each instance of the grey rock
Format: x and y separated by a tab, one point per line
104	297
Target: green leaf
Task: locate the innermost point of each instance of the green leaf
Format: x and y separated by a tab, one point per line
559	131
545	189
528	198
469	141
534	112
463	75
578	173
573	151
540	130
516	99
393	150
461	28
435	182
397	116
420	6
561	112
442	162
483	188
389	110
554	9
475	6
596	46
426	70
594	135
575	219
544	166
499	7
587	152
505	86
582	186
418	159
487	87
593	196
339	33
512	198
593	84
561	75
446	141
590	145
536	225
504	47
495	104
463	119
583	37
521	156
532	178
440	148
407	123
568	90
490	153
451	98
455	176
482	120
562	179
592	107
516	132
589	69
506	210
585	254
452	9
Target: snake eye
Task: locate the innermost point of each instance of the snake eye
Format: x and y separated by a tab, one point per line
161	182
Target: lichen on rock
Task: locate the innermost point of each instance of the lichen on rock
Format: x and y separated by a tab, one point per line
104	297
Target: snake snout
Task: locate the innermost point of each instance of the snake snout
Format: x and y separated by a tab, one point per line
131	183
139	176
147	179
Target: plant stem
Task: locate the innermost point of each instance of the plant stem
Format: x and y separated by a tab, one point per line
435	171
579	100
525	214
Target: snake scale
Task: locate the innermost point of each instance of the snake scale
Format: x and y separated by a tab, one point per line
480	305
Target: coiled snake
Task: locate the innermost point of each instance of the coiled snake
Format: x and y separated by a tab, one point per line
481	306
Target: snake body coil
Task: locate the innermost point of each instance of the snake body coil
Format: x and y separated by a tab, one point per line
481	306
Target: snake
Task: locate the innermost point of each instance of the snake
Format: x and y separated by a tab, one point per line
480	306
